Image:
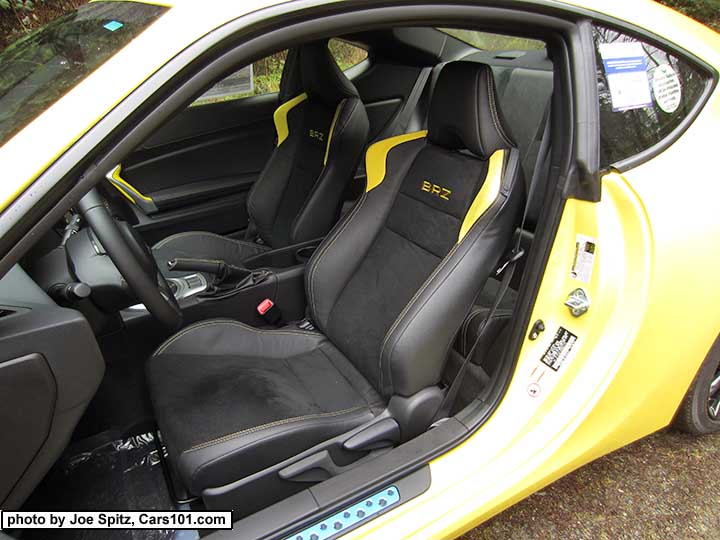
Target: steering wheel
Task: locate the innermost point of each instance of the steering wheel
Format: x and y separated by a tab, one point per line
133	259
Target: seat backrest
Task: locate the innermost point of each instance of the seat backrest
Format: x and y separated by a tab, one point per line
320	137
392	283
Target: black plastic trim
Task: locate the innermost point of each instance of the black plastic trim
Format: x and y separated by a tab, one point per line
167	97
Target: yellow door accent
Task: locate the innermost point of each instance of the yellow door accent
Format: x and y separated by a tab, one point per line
124	187
487	194
280	117
332	128
376	156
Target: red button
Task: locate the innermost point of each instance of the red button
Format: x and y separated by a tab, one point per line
264	306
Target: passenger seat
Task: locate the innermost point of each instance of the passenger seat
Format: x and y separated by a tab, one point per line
321	134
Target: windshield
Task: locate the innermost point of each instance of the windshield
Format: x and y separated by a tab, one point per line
41	67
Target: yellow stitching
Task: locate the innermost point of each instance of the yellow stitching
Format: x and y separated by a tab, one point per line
237	434
425	285
204	324
326	247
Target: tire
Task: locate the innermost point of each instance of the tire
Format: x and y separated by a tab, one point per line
694	414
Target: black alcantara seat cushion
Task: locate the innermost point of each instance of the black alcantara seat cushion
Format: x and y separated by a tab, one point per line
234	399
388	289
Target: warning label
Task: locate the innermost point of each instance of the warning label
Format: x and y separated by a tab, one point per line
559	349
584	259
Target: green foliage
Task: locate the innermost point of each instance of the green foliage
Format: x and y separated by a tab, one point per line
267	72
17	5
346	54
705	11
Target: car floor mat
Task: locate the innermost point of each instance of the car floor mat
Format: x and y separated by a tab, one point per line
104	473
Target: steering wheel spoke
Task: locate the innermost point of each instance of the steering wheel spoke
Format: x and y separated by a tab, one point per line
134	261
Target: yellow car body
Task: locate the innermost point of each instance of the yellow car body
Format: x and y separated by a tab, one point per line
655	293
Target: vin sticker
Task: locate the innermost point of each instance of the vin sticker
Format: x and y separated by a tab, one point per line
584	258
559	349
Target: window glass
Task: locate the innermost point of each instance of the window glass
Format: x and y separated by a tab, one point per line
494	42
346	54
261	77
644	93
40	68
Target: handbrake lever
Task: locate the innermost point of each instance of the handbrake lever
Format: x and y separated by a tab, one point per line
220	269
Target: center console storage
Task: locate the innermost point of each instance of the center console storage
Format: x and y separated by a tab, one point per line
285	257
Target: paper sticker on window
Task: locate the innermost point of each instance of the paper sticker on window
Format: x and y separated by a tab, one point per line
626	69
584	258
666	88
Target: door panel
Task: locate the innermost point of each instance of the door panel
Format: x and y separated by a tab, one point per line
199	167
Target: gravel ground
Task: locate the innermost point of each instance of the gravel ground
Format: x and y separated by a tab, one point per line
661	487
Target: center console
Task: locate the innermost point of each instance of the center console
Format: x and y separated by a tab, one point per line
277	275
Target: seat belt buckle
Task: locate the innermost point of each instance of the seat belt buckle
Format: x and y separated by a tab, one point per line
514	257
269	311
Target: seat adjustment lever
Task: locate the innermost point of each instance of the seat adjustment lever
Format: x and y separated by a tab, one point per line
314	468
380	434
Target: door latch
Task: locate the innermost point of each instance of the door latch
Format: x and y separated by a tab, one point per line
536	329
579	302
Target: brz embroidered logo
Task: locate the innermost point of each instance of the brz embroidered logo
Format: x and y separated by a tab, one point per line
434	189
319	135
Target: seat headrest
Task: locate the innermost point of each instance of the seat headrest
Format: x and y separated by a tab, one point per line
321	77
290	82
465	113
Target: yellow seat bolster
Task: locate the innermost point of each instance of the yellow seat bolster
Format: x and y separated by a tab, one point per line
487	194
376	156
332	129
280	117
124	187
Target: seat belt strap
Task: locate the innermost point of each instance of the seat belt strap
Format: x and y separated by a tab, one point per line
402	121
507	269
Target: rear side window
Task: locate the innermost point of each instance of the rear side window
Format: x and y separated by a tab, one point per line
346	54
644	93
487	41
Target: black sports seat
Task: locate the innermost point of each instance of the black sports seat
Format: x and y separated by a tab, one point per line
526	96
321	133
387	290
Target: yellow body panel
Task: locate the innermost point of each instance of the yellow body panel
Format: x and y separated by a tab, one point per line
655	312
639	345
24	157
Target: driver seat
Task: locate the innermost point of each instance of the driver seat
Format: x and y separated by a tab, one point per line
388	290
